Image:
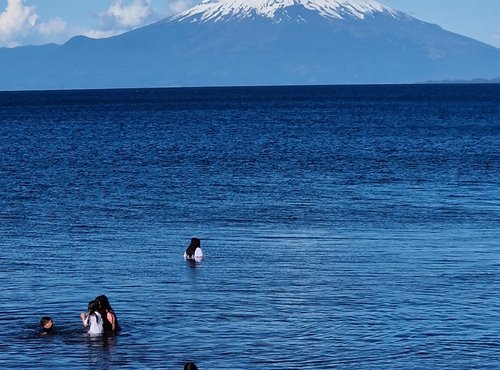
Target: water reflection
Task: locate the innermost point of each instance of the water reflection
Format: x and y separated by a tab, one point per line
99	350
193	263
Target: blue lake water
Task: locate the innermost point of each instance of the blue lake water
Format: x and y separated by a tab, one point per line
350	227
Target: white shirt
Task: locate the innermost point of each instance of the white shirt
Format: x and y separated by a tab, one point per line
198	255
94	323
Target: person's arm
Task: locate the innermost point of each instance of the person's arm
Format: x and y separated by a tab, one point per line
112	320
198	253
85	319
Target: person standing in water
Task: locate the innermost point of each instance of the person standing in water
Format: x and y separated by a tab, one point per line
108	315
93	319
193	251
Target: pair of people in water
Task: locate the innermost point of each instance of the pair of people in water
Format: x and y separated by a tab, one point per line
100	317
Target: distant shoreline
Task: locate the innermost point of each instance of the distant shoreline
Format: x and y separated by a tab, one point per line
478	81
474	81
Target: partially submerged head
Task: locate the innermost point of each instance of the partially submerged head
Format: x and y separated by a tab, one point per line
190	366
46	323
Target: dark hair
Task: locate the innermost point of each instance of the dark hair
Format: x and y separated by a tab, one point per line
103	302
190	366
45	320
93	307
104	309
195	243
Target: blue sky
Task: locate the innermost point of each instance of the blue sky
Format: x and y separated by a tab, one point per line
24	22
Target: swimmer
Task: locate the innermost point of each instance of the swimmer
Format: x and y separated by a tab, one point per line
46	324
92	320
193	251
190	366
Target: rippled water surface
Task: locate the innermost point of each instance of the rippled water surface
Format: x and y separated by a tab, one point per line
343	227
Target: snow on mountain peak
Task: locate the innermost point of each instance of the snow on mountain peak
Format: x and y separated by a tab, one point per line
218	10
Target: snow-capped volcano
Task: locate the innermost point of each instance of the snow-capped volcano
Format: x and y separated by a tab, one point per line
258	42
225	10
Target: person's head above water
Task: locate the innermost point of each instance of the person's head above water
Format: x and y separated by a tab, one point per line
195	243
93	307
46	323
103	302
190	366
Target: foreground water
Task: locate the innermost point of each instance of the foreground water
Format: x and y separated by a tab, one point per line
343	227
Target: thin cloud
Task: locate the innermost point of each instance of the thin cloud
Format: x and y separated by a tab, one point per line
178	6
101	34
55	26
122	16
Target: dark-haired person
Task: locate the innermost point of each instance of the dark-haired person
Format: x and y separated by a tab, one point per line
193	251
46	325
190	366
92	320
110	321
